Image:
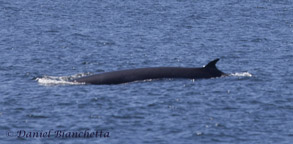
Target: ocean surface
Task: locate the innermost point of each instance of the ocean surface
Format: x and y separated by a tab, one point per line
45	43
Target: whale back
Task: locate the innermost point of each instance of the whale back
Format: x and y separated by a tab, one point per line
130	75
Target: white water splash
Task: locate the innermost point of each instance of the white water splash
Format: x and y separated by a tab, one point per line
63	80
242	74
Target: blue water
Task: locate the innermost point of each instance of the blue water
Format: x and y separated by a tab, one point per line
43	43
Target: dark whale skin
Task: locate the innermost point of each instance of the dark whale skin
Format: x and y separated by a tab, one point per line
125	76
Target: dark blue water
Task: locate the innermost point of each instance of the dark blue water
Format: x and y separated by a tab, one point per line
43	43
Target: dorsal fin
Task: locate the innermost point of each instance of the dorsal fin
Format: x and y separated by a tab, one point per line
212	64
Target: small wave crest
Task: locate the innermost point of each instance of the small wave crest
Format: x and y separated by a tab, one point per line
242	74
63	80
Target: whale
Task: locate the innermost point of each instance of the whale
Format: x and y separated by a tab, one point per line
140	74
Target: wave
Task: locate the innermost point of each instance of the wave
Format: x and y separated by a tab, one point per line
62	80
241	74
